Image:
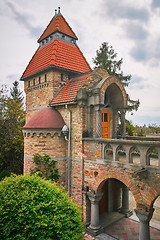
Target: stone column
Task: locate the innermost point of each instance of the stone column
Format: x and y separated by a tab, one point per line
125	202
90	121
95	228
114	124
123	124
144	218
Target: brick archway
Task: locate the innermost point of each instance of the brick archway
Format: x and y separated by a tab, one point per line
113	80
152	195
125	179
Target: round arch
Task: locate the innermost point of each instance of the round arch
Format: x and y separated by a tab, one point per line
114	88
129	182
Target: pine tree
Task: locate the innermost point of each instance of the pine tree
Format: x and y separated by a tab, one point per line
15	92
106	58
11	138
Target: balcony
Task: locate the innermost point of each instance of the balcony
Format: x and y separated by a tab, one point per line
131	153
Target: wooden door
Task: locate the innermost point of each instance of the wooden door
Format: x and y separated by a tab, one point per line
105	124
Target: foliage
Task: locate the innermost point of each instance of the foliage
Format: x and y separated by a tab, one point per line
106	58
45	167
152	129
33	208
4	174
129	127
12	117
15	92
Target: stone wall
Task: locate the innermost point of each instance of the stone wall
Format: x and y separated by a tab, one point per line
49	142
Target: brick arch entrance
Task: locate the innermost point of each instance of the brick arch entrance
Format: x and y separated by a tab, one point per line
115	198
123	178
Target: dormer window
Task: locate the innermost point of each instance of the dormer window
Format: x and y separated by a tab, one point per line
46	40
42	43
34	82
39	79
29	83
63	36
51	38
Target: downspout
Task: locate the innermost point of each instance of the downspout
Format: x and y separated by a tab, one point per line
69	156
69	152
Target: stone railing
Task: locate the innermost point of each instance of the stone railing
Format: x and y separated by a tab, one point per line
143	153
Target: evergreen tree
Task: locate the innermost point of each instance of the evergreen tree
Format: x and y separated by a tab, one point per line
106	59
15	92
12	117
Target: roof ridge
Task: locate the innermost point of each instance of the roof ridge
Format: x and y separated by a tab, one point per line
84	57
54	51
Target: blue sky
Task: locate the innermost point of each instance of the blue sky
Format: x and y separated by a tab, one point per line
130	26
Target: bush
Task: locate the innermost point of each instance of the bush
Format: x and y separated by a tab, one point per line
45	167
4	174
33	208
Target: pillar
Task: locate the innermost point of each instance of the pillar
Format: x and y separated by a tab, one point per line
95	228
144	218
114	124
125	202
123	124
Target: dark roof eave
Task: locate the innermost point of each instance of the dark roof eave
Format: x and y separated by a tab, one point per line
61	103
76	38
47	68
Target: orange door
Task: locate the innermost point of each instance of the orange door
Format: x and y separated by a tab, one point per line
105	124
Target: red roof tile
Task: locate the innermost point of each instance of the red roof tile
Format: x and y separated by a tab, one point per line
69	92
60	54
58	24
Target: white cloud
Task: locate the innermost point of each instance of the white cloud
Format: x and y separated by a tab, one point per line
131	27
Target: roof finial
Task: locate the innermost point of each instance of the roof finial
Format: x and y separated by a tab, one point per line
55	12
59	10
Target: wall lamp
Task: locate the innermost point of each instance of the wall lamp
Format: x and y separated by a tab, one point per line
65	131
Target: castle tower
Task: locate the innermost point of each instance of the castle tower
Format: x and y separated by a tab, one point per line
57	59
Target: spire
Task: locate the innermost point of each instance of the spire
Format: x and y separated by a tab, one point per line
59	12
58	24
55	13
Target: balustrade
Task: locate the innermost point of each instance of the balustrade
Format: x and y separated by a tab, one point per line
138	153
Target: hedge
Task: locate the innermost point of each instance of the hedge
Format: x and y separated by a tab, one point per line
33	208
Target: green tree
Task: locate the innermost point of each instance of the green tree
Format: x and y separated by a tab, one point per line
33	208
12	117
106	58
129	128
15	92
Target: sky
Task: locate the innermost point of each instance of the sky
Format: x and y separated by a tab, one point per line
131	27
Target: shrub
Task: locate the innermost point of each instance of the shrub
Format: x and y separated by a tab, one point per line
4	174
45	167
33	208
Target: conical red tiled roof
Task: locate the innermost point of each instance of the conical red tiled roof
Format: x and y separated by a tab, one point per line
58	24
57	53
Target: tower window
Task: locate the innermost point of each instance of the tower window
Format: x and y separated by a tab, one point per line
28	83
61	77
39	79
34	82
45	77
